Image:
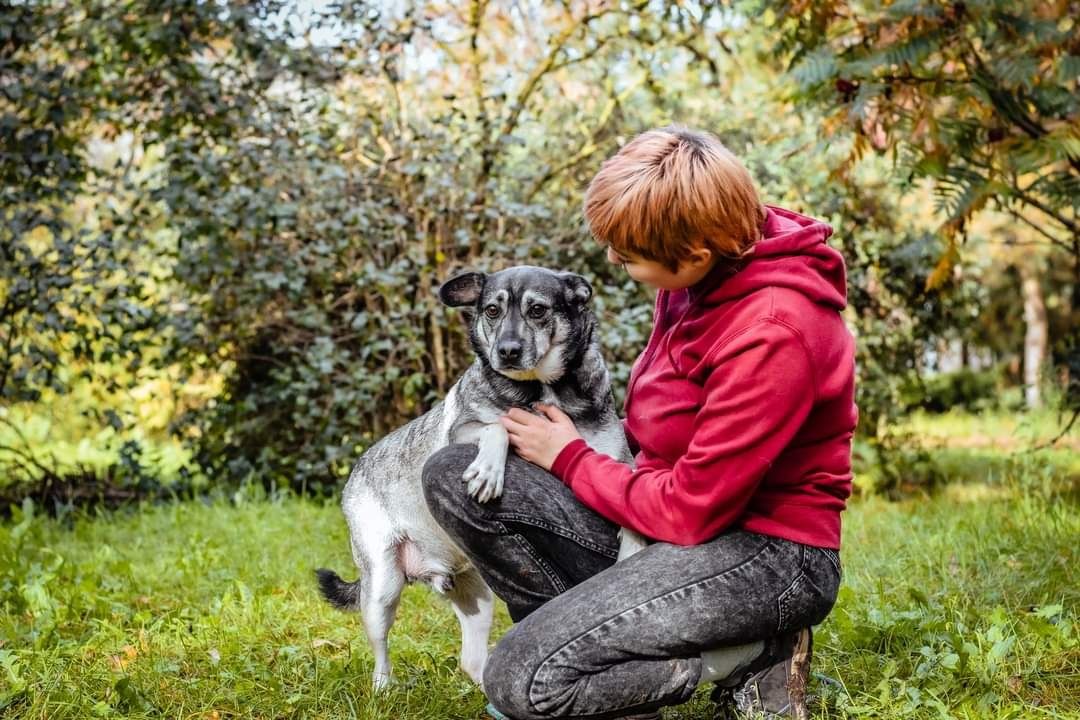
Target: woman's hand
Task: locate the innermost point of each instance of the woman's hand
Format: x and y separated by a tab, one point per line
539	439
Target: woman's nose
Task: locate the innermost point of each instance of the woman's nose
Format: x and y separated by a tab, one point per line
612	257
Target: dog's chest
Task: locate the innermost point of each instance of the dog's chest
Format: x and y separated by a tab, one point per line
548	396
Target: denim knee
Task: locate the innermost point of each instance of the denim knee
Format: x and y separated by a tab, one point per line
441	477
508	677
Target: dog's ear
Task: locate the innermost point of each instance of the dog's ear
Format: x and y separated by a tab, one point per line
578	289
462	290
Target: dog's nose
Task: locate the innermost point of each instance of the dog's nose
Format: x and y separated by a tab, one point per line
510	351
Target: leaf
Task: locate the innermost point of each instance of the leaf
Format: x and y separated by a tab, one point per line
1049	612
1001	648
124	657
943	269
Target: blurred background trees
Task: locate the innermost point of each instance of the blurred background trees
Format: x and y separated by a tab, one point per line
980	101
223	222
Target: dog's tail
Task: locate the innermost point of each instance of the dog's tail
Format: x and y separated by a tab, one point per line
342	595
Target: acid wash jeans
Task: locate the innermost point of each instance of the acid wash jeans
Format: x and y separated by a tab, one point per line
595	639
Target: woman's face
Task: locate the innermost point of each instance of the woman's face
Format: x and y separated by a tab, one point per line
696	266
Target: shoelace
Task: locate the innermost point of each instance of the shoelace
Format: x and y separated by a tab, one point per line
495	714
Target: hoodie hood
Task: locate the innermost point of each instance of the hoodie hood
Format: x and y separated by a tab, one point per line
792	254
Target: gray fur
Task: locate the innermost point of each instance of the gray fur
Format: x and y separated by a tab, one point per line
535	341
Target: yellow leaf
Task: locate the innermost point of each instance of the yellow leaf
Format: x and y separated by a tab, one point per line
121	661
944	266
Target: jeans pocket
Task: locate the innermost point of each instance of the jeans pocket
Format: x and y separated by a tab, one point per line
792	604
805	602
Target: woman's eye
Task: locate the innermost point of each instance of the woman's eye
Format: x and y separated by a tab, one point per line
537	311
492	311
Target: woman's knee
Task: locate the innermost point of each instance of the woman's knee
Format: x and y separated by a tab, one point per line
508	676
441	477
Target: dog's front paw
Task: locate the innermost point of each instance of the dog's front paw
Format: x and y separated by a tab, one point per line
485	478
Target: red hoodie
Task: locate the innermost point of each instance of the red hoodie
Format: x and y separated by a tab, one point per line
741	408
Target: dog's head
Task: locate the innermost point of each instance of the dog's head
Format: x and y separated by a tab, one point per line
526	323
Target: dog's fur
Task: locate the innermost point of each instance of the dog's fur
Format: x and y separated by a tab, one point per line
535	341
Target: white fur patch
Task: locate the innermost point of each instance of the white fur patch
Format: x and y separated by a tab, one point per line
550	368
610	441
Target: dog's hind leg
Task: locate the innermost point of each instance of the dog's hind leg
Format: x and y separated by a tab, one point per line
380	593
474	605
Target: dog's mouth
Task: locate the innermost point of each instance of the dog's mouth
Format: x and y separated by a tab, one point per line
512	366
546	369
518	373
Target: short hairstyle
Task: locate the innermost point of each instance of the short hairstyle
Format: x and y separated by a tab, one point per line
671	190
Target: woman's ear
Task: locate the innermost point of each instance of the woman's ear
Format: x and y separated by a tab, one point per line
699	256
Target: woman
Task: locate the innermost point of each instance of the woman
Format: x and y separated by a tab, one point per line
740	413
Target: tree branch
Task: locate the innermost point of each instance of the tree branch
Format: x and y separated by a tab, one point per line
588	148
1024	197
533	81
1042	231
1063	433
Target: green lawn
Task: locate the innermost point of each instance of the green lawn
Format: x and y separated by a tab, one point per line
963	604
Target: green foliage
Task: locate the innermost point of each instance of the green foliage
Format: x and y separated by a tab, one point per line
962	389
980	98
90	89
994	448
252	205
315	234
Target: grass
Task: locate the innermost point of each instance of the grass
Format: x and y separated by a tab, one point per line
998	429
961	603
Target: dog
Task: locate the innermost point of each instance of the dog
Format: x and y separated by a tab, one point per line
535	341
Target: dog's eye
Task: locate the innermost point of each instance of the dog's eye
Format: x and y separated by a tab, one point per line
492	311
537	311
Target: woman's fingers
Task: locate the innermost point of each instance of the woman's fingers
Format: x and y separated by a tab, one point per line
553	413
520	416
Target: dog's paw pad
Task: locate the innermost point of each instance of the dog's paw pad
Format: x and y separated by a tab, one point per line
485	481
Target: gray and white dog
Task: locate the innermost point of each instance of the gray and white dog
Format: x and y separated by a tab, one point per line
535	341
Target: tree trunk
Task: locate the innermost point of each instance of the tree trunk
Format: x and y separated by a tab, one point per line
1035	337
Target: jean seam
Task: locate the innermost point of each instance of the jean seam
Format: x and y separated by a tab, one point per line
537	678
784	599
834	558
548	571
561	531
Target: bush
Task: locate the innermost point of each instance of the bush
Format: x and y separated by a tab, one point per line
965	388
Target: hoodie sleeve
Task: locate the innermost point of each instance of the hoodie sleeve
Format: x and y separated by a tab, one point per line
748	417
631	441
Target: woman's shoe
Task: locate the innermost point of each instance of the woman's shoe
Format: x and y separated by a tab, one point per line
774	685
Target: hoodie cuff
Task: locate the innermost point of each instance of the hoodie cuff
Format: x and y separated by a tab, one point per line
568	458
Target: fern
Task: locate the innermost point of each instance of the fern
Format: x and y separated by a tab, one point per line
815	68
1061	186
1016	71
1068	69
911	52
864	97
957	191
911	8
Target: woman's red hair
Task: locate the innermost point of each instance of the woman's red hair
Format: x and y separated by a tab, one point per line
671	190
